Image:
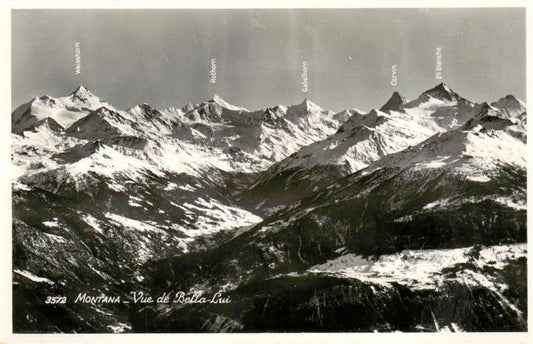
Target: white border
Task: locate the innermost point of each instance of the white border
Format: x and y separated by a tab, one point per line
6	335
145	4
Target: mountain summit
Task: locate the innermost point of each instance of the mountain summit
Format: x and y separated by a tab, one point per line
218	100
305	107
442	92
63	110
395	103
82	91
510	105
84	97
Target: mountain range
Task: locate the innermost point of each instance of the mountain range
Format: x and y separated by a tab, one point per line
301	215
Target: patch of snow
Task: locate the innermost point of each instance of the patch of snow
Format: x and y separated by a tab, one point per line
51	224
117	187
119	327
170	187
132	224
93	222
479	178
512	203
186	187
33	277
56	238
213	216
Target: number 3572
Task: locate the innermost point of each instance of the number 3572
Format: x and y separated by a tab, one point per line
53	300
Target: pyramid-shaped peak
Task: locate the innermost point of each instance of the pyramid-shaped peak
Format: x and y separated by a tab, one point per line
82	96
395	103
306	105
510	102
396	94
82	91
443	86
442	92
81	88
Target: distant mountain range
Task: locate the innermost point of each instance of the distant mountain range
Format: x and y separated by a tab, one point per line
302	215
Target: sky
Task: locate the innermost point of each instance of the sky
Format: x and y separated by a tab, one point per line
163	57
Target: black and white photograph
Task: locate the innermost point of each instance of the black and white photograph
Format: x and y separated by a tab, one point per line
268	170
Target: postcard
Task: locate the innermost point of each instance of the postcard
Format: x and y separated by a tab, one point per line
268	171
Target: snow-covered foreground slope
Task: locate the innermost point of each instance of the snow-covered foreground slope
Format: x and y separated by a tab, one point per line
427	269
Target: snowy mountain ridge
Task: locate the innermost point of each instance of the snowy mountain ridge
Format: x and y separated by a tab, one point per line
296	203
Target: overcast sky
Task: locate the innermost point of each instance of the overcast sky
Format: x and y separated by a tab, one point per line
163	57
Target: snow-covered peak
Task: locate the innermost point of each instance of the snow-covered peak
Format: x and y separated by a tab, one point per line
82	91
107	125
218	100
63	110
309	105
442	92
438	95
511	103
440	108
490	117
104	114
50	124
304	108
145	109
395	103
358	119
84	97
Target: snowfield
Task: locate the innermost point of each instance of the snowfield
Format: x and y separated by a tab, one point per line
423	269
